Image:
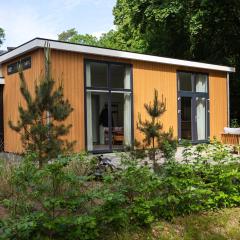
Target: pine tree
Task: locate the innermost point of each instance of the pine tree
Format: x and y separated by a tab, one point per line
41	123
151	129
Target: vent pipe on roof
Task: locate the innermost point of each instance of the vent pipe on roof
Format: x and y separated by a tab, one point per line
10	48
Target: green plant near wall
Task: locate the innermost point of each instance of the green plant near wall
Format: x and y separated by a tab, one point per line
235	123
152	128
41	122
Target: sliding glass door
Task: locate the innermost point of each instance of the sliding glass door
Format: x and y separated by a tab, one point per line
193	107
108	101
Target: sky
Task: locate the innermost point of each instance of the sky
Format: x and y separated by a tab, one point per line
24	20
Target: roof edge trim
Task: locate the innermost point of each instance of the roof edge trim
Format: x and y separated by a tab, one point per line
40	42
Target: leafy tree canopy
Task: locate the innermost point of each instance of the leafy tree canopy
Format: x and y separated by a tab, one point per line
197	29
201	30
113	39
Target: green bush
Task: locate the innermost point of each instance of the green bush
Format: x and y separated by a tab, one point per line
49	203
62	201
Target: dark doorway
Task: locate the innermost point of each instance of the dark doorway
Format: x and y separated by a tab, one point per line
1	119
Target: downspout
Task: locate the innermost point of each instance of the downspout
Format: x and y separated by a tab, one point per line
228	101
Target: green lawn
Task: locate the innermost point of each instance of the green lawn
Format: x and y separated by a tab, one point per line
221	225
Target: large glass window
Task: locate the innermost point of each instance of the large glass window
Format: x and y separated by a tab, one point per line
108	106
193	106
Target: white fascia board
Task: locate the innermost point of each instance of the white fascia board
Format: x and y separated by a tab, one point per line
36	43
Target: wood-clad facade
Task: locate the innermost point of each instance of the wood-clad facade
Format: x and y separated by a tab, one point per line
68	68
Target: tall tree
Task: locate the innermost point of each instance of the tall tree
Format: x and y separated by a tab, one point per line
41	123
112	39
201	30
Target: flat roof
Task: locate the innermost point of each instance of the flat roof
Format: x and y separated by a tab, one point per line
74	47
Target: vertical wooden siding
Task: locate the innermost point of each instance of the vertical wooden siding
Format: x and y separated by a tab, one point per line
218	103
12	98
68	68
146	77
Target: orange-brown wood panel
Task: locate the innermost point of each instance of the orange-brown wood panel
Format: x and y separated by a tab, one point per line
146	78
218	103
12	98
67	67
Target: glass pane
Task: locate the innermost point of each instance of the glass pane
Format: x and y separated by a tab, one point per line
120	76
186	118
121	120
97	121
184	81
201	118
96	74
201	83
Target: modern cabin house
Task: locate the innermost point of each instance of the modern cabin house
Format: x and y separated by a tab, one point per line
108	88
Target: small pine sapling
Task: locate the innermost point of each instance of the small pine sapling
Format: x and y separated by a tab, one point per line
151	128
41	123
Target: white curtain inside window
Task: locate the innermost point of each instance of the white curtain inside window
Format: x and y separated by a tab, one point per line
127	108
201	83
88	75
127	78
89	110
127	119
201	118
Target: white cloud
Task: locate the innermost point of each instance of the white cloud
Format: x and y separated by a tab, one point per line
28	20
25	23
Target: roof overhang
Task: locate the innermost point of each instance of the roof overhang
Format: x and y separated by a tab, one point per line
40	43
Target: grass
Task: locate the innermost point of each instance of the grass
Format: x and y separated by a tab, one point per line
221	225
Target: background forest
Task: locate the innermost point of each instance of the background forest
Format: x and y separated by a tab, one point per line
199	30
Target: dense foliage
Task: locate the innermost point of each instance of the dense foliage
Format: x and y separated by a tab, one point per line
111	39
201	30
63	201
41	122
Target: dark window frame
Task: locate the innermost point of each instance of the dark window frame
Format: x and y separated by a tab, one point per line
108	90
15	65
193	94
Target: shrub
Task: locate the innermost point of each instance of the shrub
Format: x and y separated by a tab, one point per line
62	201
49	203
